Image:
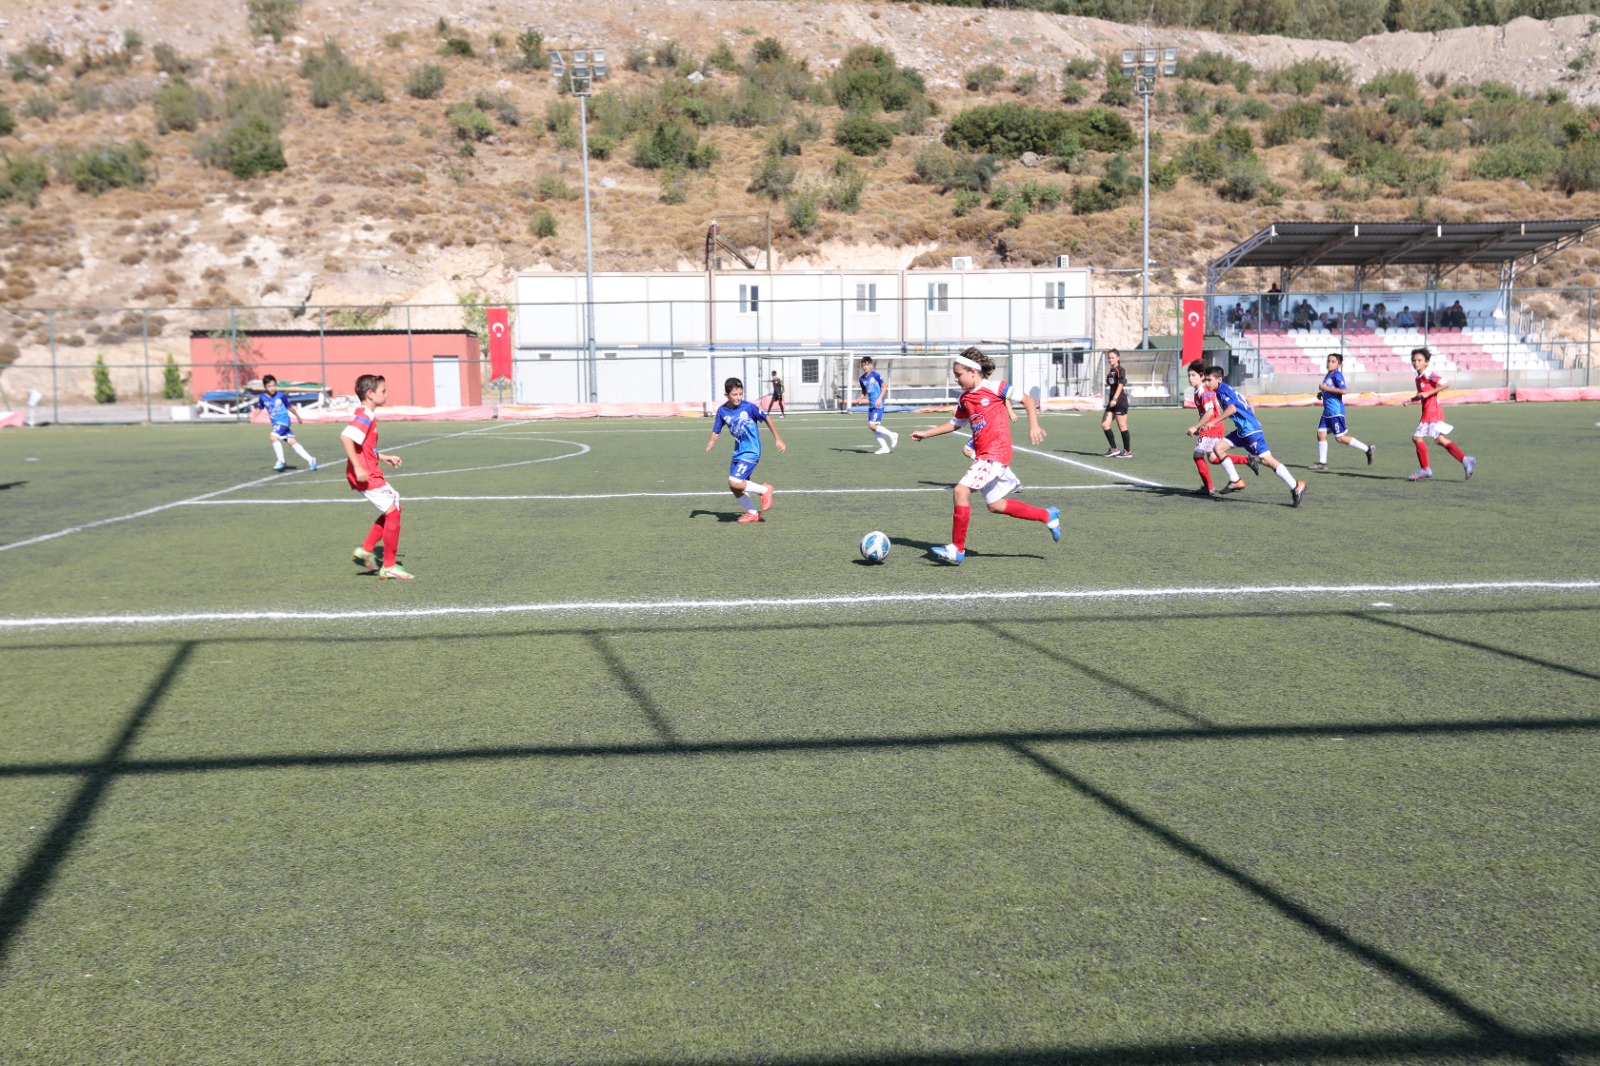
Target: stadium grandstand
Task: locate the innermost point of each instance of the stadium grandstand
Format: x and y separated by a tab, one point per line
1478	337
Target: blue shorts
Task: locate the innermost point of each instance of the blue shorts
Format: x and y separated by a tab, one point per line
875	414
741	469
1254	443
282	432
1333	424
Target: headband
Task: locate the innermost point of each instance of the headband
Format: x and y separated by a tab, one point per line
964	361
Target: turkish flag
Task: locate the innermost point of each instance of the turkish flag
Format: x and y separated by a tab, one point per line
499	343
1194	330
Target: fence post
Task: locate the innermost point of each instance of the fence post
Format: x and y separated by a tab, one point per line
322	344
1588	342
149	406
411	358
55	385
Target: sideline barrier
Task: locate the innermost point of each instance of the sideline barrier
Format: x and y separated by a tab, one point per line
1398	399
1550	395
482	413
13	420
511	411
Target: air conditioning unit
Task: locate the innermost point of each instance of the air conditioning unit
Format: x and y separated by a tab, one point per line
1063	260
961	262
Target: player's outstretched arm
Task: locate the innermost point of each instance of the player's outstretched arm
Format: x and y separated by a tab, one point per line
1035	431
782	447
936	431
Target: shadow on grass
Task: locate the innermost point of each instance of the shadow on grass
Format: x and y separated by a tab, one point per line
720	516
11	485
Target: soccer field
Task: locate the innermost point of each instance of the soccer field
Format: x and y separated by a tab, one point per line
618	780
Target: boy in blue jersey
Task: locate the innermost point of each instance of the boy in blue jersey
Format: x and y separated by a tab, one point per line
874	393
279	411
1331	393
1247	433
744	421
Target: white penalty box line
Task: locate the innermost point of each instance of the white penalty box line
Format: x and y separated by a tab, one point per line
700	494
851	600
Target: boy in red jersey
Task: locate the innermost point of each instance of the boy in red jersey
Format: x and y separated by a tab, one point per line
363	468
1207	434
1429	386
980	406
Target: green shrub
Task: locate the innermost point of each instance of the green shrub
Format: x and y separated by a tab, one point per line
601	146
502	106
1073	91
22	178
8	121
774	176
767	50
469	123
1190	99
672	143
530	50
1118	91
1202	160
1353	131
180	106
1009	129
172	381
844	192
334	78
722	59
914	119
32	63
1025	83
1244	180
1392	83
937	164
1498	92
1081	67
426	82
542	223
1579	169
868	79
674	185
457	47
1528	160
801	209
103	390
248	146
1216	68
168	60
1299	121
41	105
861	134
984	78
268	100
271	17
1303	77
106	166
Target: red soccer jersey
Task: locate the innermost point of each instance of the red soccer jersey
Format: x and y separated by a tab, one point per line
363	429
1432	407
1206	402
984	409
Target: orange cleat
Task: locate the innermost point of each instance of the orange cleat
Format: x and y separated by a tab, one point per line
748	517
766	498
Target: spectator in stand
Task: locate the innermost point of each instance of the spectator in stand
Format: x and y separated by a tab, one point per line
1236	314
1456	316
1274	300
1303	314
1380	315
1367	317
1248	323
1405	319
1330	319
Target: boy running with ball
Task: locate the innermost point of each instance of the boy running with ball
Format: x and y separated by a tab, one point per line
985	407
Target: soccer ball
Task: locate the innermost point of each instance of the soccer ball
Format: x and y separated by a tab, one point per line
875	547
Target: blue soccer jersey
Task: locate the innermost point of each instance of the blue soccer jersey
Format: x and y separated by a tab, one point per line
872	388
276	405
744	423
1244	416
1332	403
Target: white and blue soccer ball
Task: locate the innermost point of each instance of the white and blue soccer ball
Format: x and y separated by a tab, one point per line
875	547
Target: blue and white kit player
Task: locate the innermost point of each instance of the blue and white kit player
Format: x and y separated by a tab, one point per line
1332	392
279	411
744	420
876	394
1247	433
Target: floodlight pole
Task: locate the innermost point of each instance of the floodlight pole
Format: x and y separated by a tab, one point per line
587	64
1144	65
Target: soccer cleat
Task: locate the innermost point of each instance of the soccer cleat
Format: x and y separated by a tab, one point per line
280	467
748	517
1319	466
365	559
394	573
1297	493
948	553
1124	455
1235	486
313	466
883	449
1371	448
1112	454
1471	464
1054	525
766	498
894	439
1421	475
1255	464
1203	491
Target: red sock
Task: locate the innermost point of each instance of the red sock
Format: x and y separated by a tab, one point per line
391	536
1018	509
374	535
1455	450
1213	460
958	528
1205	475
1422	452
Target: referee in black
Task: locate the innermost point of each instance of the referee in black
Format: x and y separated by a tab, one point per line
1117	406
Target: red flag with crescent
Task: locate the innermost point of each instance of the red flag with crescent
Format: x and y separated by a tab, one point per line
499	343
1194	330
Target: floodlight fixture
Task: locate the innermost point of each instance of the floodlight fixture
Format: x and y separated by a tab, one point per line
579	76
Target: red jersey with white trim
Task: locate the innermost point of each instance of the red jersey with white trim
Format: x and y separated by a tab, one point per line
1206	402
985	410
363	429
1432	407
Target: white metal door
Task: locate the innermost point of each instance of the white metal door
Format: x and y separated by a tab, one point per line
446	381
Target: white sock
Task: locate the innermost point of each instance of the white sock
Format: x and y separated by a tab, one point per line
1283	472
883	436
1357	445
277	449
1322	451
1227	468
746	502
755	487
301	452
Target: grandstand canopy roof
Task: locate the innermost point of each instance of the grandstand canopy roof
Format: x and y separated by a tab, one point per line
1367	246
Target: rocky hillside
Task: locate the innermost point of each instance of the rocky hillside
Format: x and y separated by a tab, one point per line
392	202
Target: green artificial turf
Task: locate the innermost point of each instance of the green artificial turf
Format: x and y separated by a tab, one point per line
879	814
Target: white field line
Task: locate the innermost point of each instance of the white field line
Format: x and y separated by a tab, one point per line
632	495
849	600
1118	474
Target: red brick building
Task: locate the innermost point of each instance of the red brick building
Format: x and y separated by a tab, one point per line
424	367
